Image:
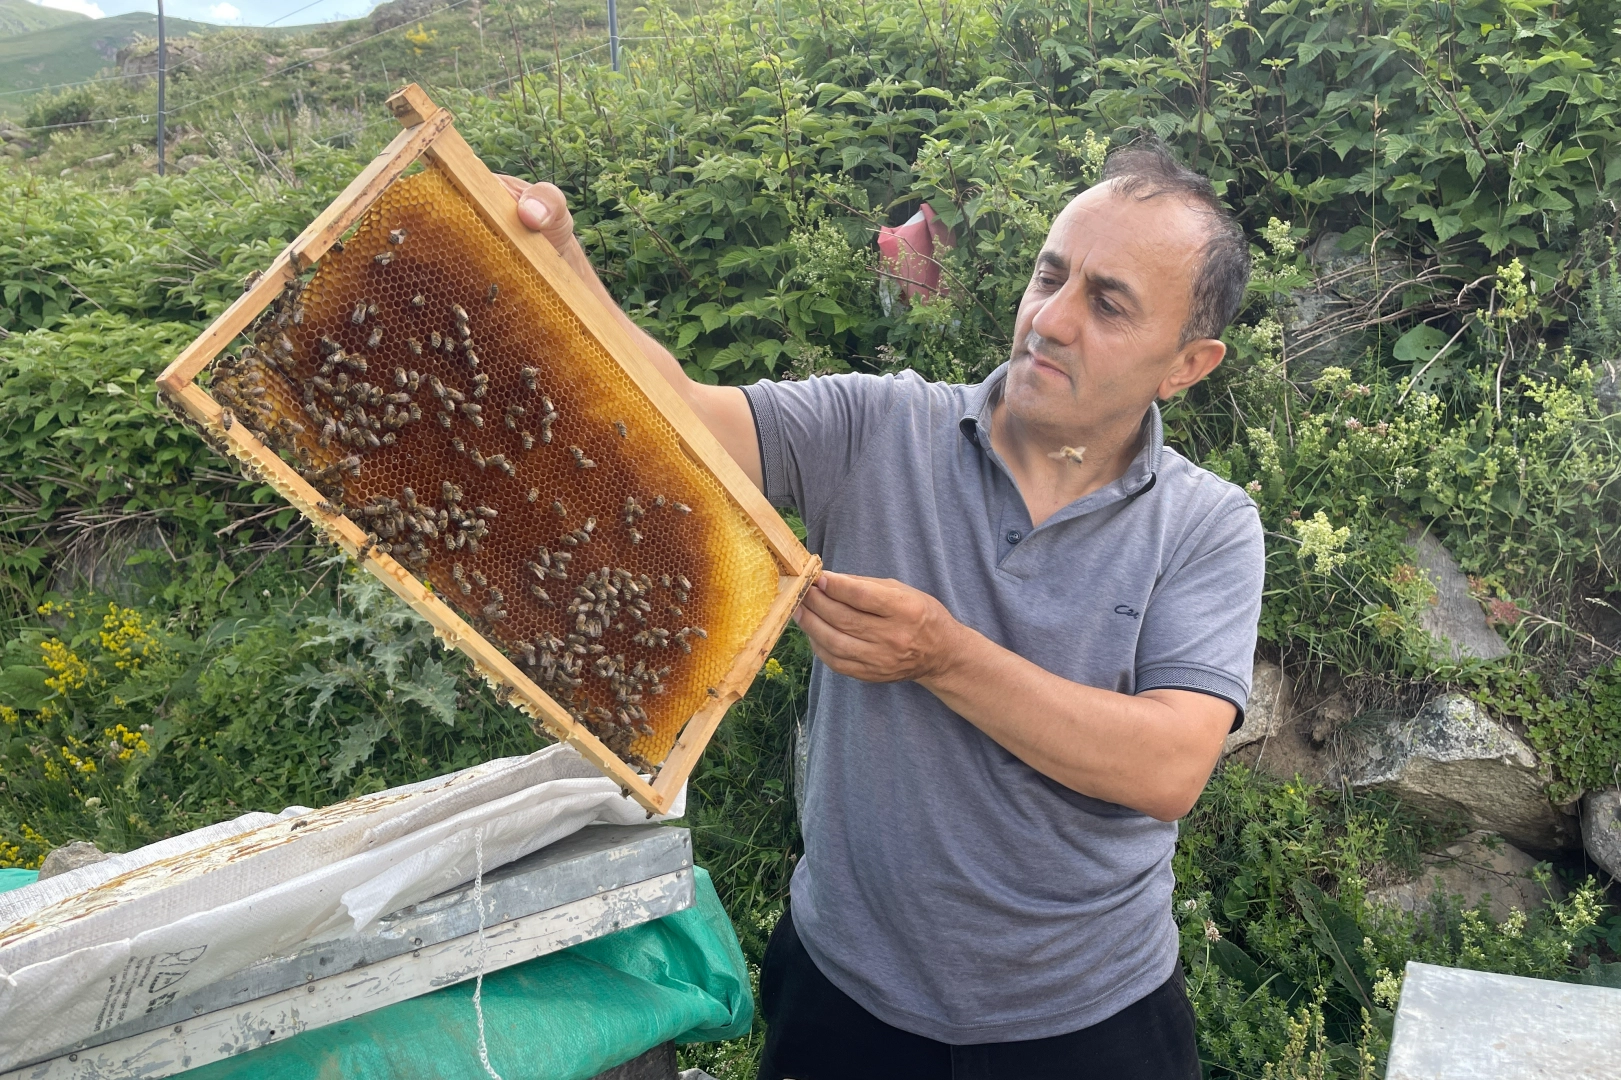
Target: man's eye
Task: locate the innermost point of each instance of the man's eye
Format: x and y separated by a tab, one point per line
1107	306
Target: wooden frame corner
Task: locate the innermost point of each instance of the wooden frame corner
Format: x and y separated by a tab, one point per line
428	131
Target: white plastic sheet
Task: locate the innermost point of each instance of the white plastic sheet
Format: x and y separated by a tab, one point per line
103	944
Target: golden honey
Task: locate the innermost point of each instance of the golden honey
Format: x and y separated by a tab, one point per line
439	393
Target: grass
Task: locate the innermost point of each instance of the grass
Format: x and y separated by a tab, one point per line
69	51
22	17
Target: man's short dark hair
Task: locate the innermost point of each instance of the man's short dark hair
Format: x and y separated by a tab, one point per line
1146	169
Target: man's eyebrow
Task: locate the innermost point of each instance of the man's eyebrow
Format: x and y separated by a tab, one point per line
1052	260
1106	283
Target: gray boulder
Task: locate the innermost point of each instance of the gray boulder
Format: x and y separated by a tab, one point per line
1267	711
1606	388
1454	759
1601	829
1479	866
70	857
1453	618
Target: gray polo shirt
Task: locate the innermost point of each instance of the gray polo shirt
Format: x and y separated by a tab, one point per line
949	888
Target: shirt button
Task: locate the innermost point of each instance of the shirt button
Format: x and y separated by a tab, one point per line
1014	536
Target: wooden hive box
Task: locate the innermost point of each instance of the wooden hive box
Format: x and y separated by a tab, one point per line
430	384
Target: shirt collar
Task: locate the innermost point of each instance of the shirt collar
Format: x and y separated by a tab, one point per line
976	428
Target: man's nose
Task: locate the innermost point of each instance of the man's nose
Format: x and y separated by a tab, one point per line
1061	315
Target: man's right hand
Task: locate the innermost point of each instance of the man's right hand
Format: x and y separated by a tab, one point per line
723	409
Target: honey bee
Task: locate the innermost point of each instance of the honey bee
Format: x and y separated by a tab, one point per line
418	300
383	258
559	509
226	418
358	315
534	494
493	292
619	426
375	338
396	236
528	375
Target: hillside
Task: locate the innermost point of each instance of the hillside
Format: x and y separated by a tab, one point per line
75	50
22	17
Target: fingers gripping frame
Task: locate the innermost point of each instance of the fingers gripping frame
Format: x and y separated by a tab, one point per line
428	136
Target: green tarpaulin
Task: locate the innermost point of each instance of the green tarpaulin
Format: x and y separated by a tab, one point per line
566	1016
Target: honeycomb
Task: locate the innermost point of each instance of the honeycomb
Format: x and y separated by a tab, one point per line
434	388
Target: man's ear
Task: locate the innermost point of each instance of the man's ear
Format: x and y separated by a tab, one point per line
1197	359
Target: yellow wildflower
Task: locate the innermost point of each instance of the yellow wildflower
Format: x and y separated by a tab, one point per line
69	672
124	744
126	637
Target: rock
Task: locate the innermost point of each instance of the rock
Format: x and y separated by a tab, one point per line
399	12
1606	388
70	857
1454	618
1454	759
101	159
1325	325
100	561
1329	716
1478	866
1267	710
139	59
313	54
1601	829
190	161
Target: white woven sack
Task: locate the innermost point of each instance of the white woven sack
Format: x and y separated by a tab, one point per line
140	934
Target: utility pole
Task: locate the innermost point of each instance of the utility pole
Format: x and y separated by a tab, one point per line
163	74
613	34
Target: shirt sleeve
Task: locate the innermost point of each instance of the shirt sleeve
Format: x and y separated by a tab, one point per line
1200	624
812	433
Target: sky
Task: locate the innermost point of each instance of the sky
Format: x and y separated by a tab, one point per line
225	12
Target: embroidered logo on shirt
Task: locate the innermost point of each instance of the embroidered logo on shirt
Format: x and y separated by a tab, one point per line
1124	609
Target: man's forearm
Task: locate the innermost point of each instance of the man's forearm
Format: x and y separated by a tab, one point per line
1143	752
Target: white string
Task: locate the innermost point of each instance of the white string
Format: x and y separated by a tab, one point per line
483	952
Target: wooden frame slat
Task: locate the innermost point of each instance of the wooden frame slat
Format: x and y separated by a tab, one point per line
430	133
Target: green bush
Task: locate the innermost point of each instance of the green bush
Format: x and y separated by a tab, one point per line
729	184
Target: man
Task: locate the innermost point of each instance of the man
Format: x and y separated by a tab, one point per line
1036	629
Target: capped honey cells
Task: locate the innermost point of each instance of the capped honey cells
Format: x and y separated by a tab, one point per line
441	395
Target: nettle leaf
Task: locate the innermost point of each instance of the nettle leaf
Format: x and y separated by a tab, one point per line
358	744
433	688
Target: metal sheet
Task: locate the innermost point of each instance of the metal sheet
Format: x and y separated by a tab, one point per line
1453	1024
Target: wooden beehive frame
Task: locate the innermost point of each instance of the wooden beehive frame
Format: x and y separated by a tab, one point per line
428	132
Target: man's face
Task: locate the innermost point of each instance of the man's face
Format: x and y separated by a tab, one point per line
1099	326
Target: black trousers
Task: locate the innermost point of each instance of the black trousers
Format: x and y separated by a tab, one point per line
814	1031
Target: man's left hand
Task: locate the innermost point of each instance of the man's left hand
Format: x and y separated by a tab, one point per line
876	629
